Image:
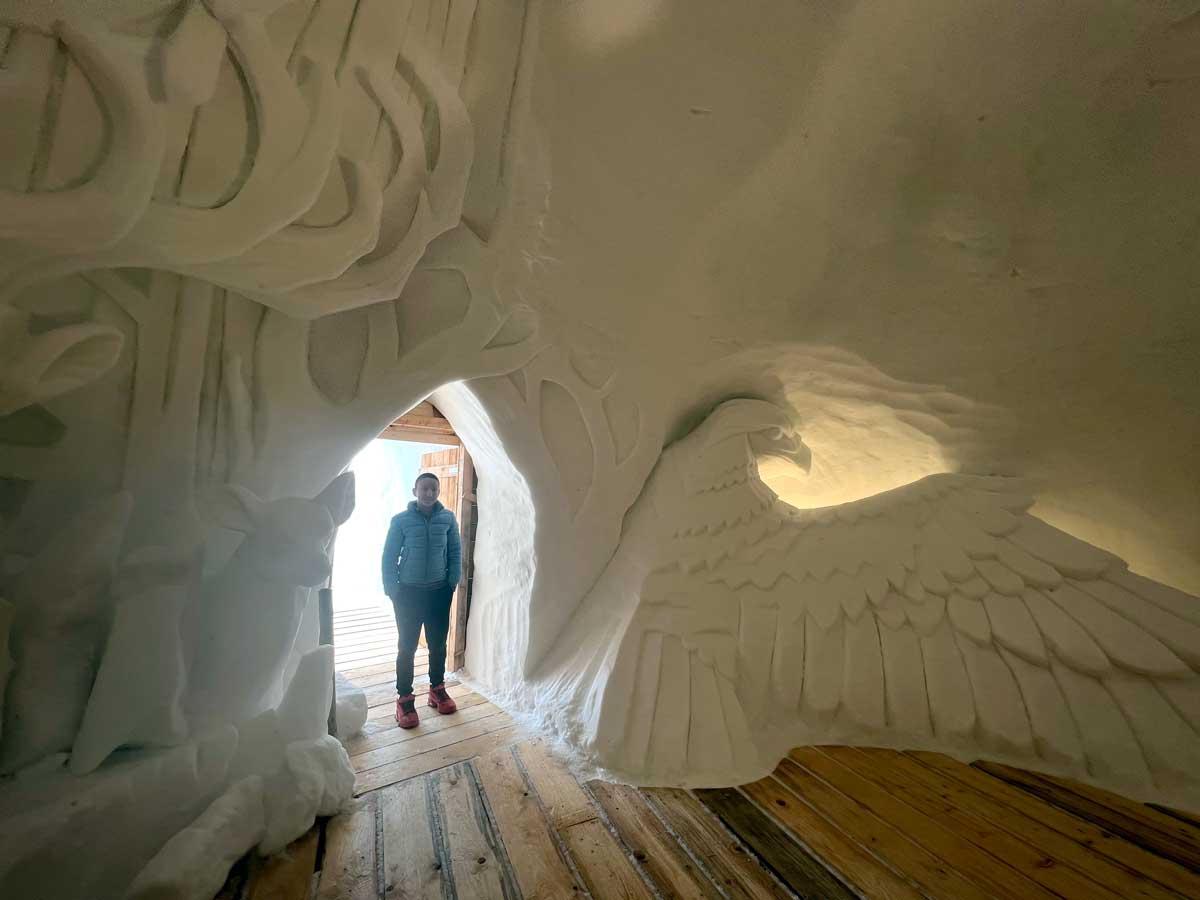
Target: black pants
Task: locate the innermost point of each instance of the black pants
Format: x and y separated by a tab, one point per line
414	607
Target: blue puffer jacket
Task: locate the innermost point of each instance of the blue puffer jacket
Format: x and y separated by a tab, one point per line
422	549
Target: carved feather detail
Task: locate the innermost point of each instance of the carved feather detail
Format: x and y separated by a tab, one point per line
940	614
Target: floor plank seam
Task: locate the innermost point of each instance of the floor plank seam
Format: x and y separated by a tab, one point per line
436	769
1118	823
407	736
721	802
701	867
380	870
438	829
440	746
732	835
869	851
491	831
322	841
629	854
555	836
1176	814
837	874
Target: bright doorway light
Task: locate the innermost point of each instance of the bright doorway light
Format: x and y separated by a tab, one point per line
384	472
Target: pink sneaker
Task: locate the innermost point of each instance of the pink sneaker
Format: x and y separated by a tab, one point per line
406	712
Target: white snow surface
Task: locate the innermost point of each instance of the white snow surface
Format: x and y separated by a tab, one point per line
944	242
351	707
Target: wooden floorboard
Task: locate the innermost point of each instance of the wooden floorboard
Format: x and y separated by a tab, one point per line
432	739
541	868
365	634
342	664
733	867
354	673
375	642
1176	827
345	645
349	871
437	758
901	850
795	866
376	735
467	806
478	864
412	861
386	692
561	796
373	636
1176	814
472	813
824	839
386	675
605	869
1157	833
945	834
359	659
1096	841
363	625
383	717
287	875
1057	861
386	711
665	862
366	612
343	623
601	862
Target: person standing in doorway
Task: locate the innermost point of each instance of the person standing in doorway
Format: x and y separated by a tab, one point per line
422	564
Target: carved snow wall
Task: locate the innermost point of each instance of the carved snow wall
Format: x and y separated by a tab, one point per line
237	239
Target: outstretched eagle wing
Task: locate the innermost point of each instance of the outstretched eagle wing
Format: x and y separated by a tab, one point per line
939	615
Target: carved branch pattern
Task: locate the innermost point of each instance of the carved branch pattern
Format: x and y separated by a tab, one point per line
263	241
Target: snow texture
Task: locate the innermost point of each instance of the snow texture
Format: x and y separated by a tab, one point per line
351	707
744	356
194	863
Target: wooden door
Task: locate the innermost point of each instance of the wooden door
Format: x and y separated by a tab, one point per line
445	465
457	476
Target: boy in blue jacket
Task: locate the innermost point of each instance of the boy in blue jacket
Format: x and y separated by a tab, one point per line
422	564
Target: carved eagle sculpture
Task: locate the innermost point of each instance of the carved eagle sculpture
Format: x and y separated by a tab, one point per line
939	615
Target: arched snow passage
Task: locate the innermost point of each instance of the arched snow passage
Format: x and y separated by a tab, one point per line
504	558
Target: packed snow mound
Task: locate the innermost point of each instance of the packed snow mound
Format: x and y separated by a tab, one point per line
351	708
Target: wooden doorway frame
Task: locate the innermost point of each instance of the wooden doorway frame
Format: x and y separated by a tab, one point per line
425	424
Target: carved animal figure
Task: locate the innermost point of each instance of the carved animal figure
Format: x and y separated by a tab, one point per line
938	615
61	605
245	619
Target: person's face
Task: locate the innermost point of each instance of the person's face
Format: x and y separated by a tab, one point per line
426	492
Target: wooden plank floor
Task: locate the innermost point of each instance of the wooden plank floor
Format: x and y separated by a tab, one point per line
383	753
466	806
830	822
364	637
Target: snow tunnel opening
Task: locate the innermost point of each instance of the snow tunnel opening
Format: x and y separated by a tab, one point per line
451	435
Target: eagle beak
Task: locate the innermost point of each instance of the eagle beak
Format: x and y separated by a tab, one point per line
783	444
